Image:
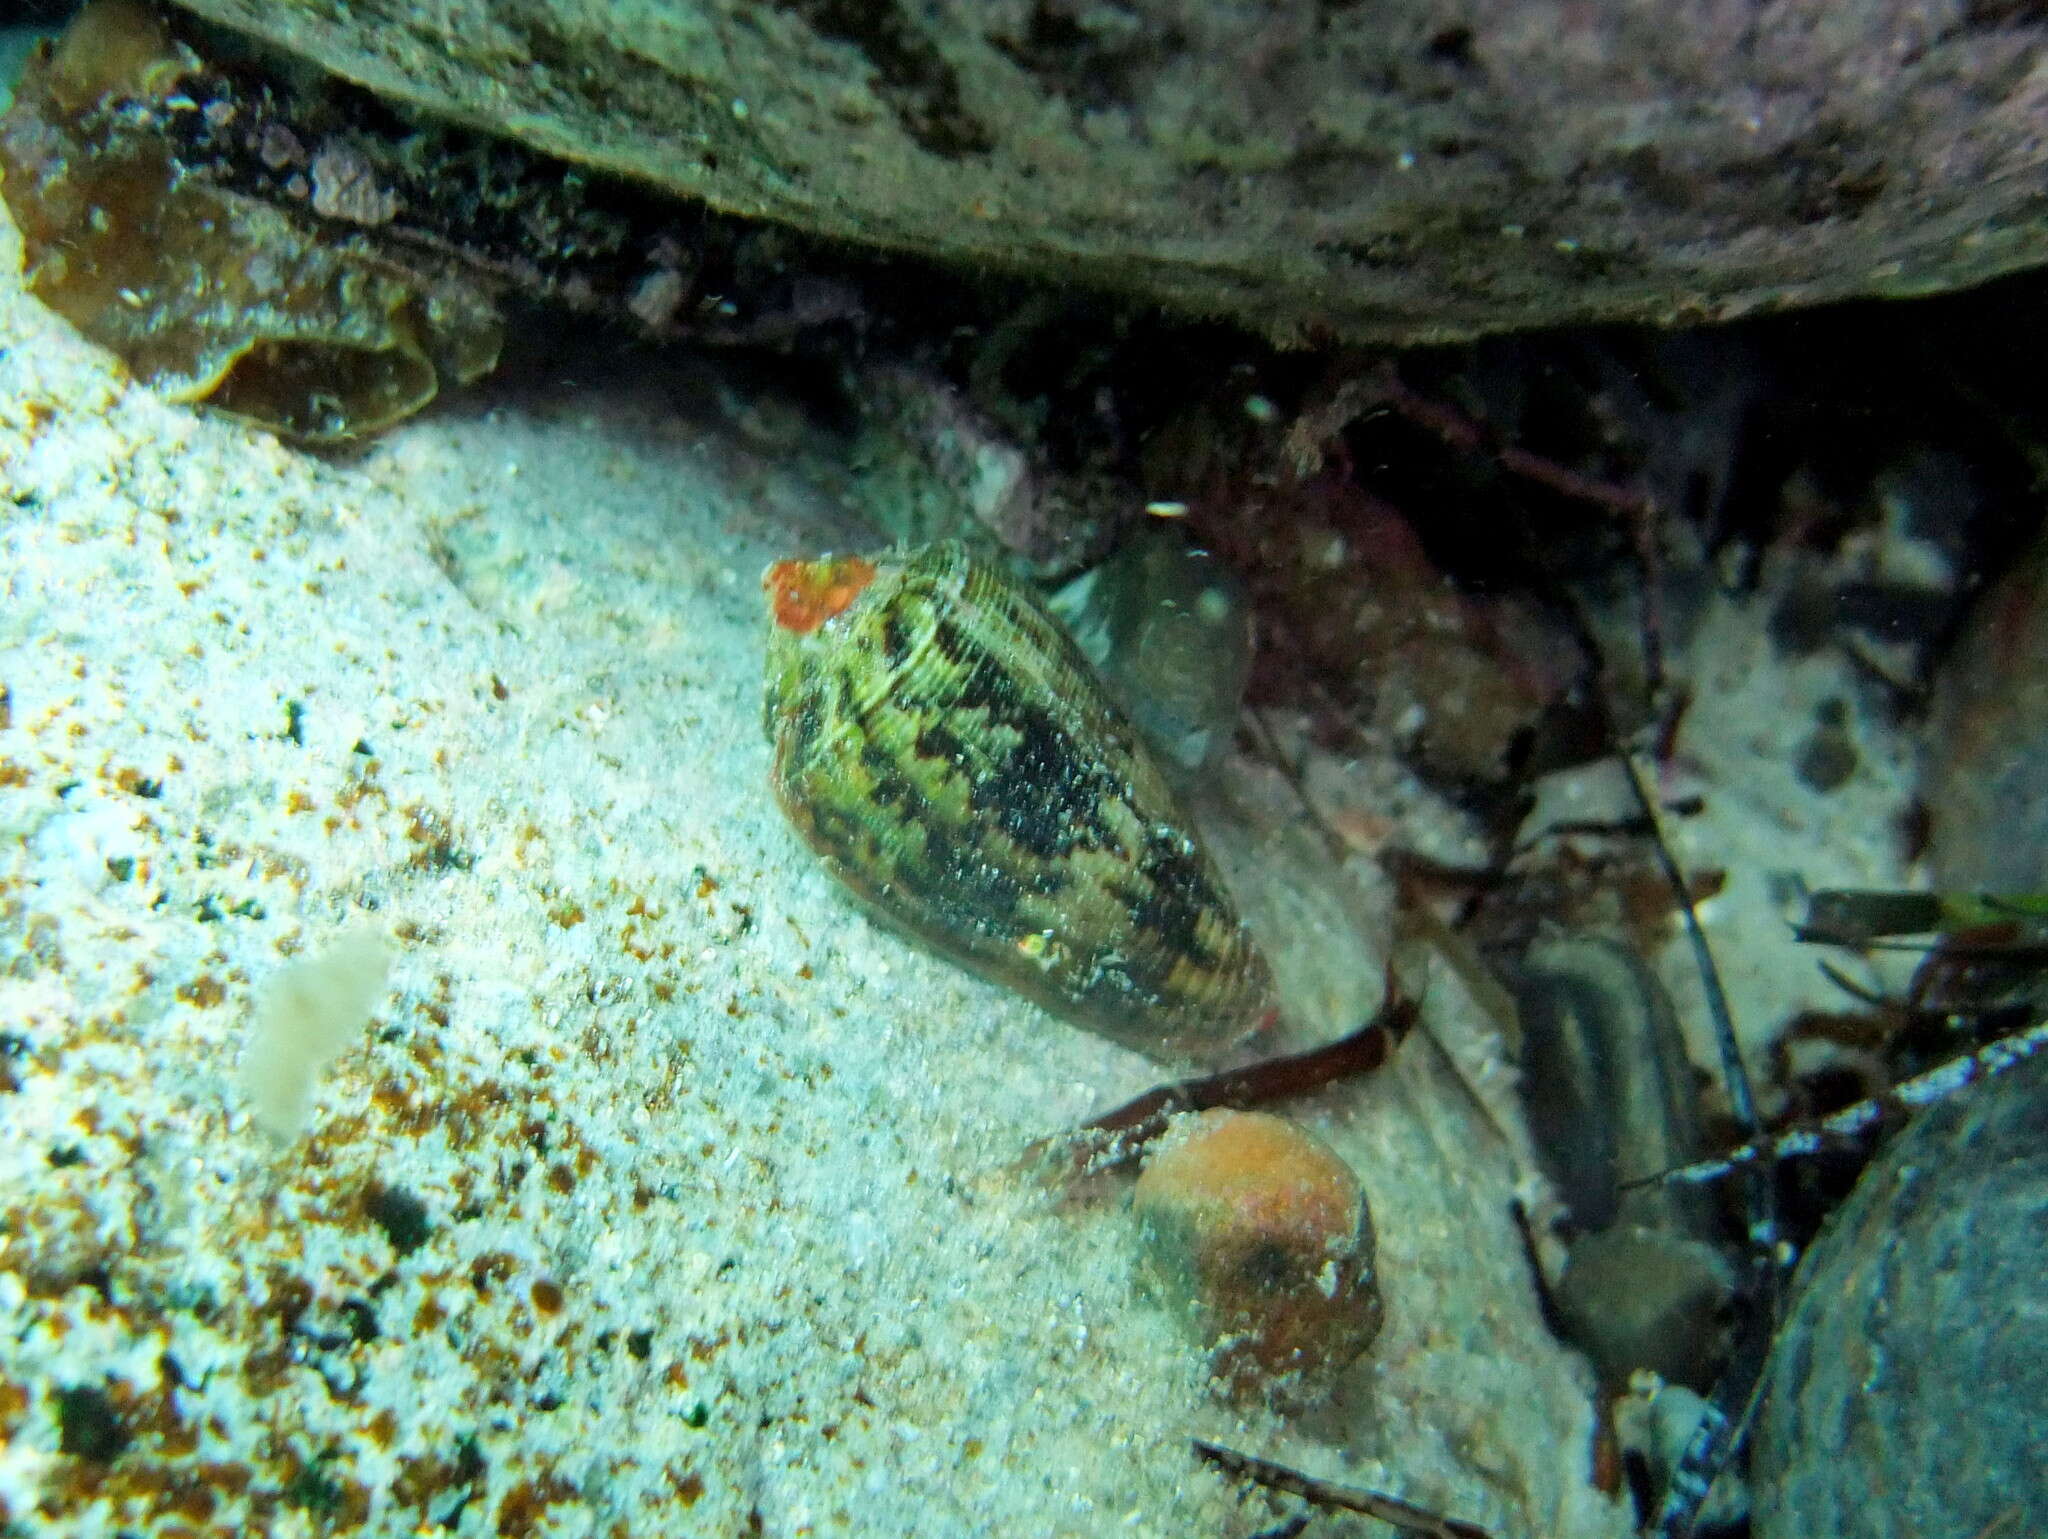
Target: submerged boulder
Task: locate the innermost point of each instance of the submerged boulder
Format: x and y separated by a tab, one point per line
1407	171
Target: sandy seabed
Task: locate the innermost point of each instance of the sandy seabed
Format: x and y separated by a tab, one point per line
661	1192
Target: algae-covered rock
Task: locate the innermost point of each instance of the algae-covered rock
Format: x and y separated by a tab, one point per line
1410	170
206	295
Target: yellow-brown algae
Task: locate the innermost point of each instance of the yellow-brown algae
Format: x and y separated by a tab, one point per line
207	295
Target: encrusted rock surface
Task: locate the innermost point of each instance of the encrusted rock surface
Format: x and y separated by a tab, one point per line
1411	170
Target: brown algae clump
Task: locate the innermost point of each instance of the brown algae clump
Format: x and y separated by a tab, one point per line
207	295
1259	1237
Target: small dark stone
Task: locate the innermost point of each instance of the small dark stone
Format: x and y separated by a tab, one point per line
402	1217
1826	760
88	1427
362	1318
640	1343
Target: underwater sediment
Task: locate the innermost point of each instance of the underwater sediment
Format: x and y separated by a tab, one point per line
440	1090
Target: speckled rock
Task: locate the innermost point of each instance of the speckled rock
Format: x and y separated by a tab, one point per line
1907	1386
1406	171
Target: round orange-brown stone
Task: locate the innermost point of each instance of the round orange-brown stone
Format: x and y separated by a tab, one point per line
1259	1237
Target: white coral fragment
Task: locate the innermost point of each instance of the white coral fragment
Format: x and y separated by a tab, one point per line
305	1017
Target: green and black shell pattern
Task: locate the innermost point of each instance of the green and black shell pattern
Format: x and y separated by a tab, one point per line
945	747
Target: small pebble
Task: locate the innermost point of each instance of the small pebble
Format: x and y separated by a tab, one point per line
1259	1237
1827	759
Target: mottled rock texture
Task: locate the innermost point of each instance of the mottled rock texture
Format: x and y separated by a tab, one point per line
1907	1383
1408	170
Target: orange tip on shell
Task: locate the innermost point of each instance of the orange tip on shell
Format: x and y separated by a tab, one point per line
805	594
